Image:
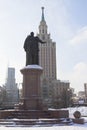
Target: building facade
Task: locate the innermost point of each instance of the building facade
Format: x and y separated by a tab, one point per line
11	89
62	93
85	89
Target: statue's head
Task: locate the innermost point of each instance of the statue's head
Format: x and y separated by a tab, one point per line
32	33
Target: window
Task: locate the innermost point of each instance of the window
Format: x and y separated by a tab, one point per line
43	31
43	37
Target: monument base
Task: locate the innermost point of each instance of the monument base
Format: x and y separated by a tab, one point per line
31	96
33	114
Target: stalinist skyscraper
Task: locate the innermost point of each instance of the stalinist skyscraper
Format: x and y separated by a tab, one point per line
47	52
52	89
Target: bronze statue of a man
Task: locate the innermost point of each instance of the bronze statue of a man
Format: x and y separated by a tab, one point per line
31	46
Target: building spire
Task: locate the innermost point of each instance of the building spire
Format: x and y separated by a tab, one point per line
43	14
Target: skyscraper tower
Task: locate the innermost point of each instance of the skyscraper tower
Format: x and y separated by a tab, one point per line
47	52
10	82
11	88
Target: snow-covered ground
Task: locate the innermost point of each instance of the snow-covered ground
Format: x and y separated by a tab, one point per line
76	127
83	111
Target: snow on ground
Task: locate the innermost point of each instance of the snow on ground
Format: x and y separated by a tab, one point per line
77	127
82	109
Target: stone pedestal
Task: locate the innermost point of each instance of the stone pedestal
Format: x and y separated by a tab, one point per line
78	121
31	96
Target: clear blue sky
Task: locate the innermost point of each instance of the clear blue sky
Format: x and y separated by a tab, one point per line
67	23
